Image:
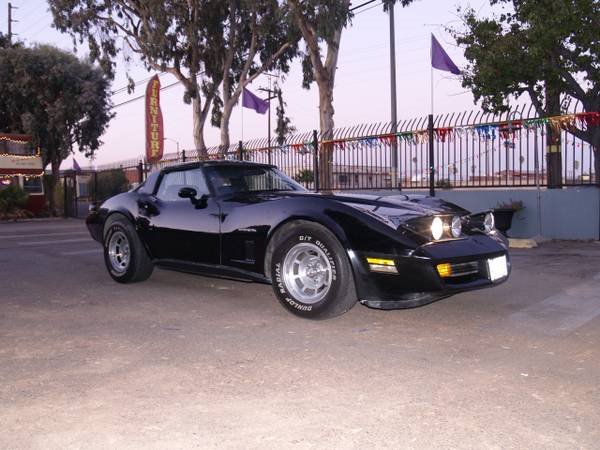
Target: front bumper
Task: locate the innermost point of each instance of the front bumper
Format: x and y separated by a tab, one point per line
418	281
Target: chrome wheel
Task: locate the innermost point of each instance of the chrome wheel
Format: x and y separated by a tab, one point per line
118	252
307	273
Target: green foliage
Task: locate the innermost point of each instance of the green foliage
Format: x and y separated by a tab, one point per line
548	49
305	176
3	41
111	182
206	44
444	183
320	23
12	198
284	124
511	204
58	99
540	47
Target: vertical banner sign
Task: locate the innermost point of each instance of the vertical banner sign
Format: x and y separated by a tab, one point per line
154	122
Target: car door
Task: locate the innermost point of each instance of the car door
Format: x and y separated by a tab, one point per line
246	217
182	228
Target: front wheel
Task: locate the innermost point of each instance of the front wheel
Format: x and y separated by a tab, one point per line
311	273
124	254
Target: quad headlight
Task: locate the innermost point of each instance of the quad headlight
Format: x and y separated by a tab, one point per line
489	222
437	228
456	227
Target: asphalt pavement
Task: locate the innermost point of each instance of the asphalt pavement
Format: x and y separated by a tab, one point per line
183	361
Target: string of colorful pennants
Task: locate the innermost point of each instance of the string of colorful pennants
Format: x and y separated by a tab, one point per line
504	130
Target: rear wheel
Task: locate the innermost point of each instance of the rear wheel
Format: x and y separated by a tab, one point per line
311	273
125	257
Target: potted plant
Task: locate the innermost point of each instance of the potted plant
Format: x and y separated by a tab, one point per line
503	214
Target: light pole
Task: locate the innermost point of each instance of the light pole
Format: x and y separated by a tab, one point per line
176	143
394	160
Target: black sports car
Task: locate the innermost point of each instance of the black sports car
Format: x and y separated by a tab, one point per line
321	252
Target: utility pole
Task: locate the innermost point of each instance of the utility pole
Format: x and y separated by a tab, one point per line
270	96
394	159
10	21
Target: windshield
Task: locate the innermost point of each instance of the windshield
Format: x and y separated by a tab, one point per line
234	179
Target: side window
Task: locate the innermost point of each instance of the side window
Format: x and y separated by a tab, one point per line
172	183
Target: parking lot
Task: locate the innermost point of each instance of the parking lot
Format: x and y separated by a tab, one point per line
184	361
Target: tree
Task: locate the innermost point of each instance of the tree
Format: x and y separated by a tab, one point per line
205	44
110	182
258	35
544	48
284	125
174	36
305	176
321	23
64	103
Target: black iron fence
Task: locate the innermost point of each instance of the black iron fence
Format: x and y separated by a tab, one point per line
460	150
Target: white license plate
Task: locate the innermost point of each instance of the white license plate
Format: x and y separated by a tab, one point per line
497	268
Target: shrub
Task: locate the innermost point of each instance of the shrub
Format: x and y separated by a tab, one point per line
13	200
444	183
111	182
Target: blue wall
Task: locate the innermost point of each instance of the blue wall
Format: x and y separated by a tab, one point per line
569	213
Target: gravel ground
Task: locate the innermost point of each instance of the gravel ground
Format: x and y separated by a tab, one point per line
184	361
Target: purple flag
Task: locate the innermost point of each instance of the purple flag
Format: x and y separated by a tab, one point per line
440	59
249	100
76	166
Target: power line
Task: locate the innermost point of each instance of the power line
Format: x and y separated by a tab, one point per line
131	100
136	83
367	9
362	4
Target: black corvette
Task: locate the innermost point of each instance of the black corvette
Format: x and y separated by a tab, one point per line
321	252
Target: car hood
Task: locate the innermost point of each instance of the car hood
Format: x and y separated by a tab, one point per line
399	207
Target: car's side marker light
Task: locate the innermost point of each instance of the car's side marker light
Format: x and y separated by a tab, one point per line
382	265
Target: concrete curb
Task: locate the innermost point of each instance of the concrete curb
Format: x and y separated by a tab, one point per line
522	243
39	220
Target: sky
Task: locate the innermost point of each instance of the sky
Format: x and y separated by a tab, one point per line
362	88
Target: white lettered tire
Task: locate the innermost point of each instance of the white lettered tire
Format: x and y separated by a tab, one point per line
125	257
310	272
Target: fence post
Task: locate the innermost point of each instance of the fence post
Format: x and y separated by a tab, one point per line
95	198
240	151
183	155
269	155
431	156
65	197
315	139
140	170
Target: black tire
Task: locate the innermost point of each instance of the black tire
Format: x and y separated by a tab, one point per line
338	297
139	266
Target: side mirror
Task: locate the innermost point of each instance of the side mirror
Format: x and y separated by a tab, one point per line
188	192
191	193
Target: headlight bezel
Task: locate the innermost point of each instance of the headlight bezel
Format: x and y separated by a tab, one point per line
424	227
456	227
489	222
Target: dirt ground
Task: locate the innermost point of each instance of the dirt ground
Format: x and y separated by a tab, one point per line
184	361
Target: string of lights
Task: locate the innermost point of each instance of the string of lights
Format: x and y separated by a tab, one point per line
27	176
16	141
